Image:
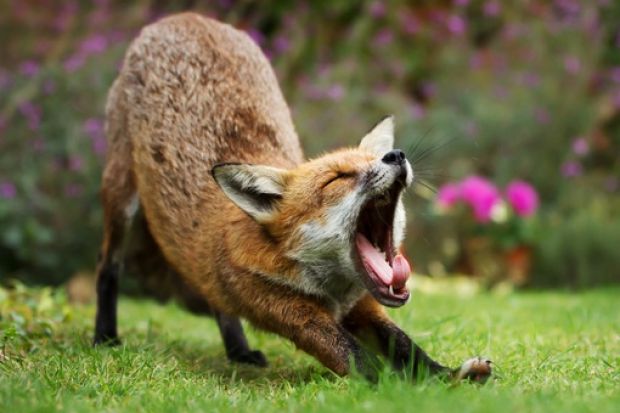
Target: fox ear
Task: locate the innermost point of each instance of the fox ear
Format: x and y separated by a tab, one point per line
255	189
380	139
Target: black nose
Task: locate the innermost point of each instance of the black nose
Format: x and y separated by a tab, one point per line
395	157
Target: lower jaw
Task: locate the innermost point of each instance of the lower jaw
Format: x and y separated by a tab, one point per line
383	298
390	301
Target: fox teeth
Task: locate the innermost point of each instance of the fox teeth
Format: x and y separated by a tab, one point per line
391	289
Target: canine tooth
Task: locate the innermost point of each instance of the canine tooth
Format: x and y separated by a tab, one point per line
391	289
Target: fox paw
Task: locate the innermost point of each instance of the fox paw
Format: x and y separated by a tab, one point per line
477	369
254	357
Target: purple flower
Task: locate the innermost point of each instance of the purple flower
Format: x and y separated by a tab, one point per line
38	145
481	195
281	44
448	195
76	163
93	127
5	79
475	60
335	92
612	184
571	169
581	146
383	38
32	113
491	8
29	68
377	9
456	25
428	89
522	197
614	74
531	79
615	99
417	111
541	115
49	87
94	44
572	65
471	128
99	145
410	23
257	36
64	18
7	190
74	62
73	190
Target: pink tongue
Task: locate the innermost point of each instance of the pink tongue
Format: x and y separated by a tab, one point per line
396	276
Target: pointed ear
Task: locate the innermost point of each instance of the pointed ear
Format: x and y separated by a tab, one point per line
380	139
256	189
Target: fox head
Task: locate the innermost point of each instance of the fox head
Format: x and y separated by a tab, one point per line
339	217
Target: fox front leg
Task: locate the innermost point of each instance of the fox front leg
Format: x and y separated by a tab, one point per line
369	321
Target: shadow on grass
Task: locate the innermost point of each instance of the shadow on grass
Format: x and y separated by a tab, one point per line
209	360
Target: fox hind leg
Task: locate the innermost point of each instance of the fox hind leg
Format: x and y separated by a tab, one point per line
120	204
237	348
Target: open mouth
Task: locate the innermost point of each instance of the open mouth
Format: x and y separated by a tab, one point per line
385	271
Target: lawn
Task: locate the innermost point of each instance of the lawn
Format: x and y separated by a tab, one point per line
554	351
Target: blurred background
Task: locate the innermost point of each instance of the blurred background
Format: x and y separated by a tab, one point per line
509	110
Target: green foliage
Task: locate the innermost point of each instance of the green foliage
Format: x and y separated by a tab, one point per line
507	88
29	319
552	352
579	250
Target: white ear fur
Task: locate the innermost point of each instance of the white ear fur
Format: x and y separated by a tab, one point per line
380	139
255	189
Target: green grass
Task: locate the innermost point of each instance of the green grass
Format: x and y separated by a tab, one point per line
553	352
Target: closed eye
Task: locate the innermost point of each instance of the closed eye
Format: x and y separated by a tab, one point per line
339	175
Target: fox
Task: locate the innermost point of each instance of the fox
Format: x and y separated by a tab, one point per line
206	191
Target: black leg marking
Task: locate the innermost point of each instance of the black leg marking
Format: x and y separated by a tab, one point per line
235	342
404	354
107	295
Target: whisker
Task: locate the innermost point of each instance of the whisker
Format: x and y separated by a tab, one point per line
427	185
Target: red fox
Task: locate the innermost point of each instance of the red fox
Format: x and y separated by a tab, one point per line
203	155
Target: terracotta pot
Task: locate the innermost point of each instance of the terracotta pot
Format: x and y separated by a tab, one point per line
484	258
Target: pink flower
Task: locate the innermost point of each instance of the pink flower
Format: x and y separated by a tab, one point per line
481	195
448	195
522	197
